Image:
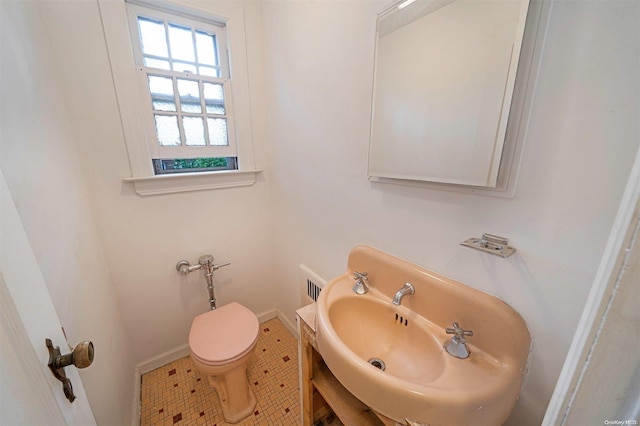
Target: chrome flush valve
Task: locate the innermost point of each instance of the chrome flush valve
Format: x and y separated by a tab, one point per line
206	259
204	262
184	267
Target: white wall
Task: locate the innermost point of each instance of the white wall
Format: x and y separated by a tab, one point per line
144	237
45	179
582	138
311	74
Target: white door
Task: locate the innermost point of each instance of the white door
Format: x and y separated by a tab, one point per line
29	393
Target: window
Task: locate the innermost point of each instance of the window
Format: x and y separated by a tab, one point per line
185	80
222	21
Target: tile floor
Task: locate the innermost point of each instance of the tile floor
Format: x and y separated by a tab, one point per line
177	394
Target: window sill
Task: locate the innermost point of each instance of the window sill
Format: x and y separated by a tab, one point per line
184	182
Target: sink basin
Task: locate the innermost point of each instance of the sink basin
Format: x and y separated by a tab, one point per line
369	328
358	334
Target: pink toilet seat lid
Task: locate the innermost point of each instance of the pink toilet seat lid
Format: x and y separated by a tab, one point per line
223	335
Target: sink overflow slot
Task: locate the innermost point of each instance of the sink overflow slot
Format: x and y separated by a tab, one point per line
378	363
402	320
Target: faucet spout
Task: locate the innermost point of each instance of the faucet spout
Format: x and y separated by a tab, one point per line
406	289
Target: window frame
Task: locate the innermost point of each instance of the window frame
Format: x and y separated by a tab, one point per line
131	100
157	150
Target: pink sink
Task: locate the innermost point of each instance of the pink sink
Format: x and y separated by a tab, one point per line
357	334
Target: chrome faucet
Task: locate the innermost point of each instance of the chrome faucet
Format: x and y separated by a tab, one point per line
406	289
361	282
457	345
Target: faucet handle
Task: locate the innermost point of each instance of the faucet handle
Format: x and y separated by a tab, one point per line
361	282
458	331
360	275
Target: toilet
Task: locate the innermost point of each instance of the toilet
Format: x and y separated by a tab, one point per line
221	342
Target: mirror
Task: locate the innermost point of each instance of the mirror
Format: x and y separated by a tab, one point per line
448	85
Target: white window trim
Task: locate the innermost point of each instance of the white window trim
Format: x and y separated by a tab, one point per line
183	182
130	99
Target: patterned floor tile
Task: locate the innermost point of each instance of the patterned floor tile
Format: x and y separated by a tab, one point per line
176	393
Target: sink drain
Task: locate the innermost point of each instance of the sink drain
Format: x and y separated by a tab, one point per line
378	363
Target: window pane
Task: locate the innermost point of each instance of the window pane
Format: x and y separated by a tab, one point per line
181	43
162	105
217	131
152	33
193	131
160	85
156	63
212	72
214	98
189	92
181	165
206	45
167	130
182	67
161	89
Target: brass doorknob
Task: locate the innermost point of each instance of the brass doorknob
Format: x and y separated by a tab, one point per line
81	357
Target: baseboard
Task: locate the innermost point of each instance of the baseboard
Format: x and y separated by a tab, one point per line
150	365
266	316
163	359
290	326
277	313
135	419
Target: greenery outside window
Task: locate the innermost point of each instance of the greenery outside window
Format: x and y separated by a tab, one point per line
186	165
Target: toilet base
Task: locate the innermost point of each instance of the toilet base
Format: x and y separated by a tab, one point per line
225	339
234	393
